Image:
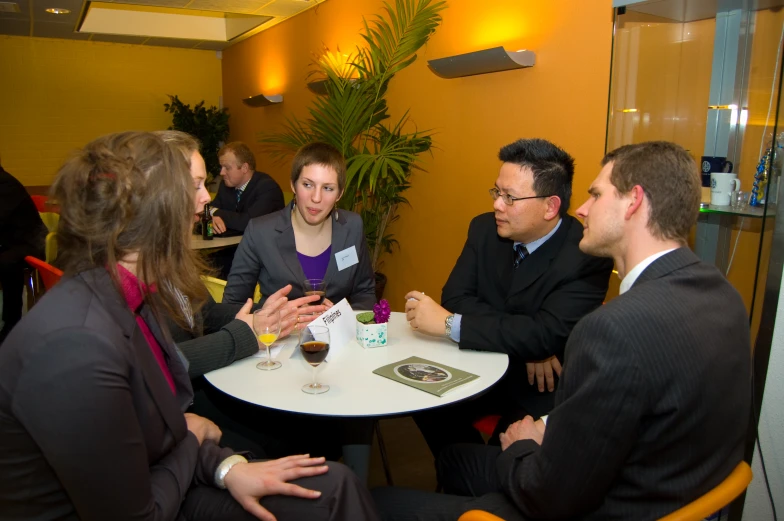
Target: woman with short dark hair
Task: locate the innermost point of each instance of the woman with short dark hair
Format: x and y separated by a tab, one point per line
304	240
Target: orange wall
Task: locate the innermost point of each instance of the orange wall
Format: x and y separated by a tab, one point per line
563	98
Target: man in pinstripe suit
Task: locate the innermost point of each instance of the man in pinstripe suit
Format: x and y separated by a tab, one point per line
655	391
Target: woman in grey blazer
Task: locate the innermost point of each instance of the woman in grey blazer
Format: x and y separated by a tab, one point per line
309	239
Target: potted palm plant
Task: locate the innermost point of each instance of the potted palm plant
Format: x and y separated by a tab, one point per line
209	125
352	115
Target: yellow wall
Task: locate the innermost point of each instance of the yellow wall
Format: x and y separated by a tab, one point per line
563	98
57	95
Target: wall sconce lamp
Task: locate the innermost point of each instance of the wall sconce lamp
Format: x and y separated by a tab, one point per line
318	87
481	62
260	100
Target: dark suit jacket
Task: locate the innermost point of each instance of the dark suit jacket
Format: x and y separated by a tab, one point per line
267	254
20	224
261	197
529	312
89	427
653	406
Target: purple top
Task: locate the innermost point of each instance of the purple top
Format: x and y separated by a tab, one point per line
315	267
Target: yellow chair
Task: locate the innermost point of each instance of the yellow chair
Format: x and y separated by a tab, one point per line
287	197
717	498
479	515
702	507
215	287
50	248
50	219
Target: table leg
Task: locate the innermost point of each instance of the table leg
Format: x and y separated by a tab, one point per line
357	458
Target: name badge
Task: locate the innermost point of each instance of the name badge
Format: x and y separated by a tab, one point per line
346	258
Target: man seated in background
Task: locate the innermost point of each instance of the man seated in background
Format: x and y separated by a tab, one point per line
656	388
22	233
519	287
243	195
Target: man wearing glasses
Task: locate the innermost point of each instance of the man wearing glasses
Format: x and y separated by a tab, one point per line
519	287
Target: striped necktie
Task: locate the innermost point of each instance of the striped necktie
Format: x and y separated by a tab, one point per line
520	254
239	195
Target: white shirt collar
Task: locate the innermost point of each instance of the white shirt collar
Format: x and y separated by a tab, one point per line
533	245
631	277
243	187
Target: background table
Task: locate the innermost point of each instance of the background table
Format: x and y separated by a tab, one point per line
197	243
354	389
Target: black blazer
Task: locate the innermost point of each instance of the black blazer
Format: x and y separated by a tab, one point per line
261	197
89	427
20	223
267	254
529	312
653	405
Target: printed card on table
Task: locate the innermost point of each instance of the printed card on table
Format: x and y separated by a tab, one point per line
339	319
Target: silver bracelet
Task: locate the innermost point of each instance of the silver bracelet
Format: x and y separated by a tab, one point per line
224	468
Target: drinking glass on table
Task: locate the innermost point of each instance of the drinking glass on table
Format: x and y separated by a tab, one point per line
266	326
315	287
314	345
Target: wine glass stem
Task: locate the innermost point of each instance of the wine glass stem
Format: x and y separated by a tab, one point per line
269	355
314	385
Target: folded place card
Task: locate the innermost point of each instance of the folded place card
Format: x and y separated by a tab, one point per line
339	319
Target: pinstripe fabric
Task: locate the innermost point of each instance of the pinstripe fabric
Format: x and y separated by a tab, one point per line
225	339
653	404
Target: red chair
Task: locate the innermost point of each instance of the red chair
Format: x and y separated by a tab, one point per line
48	273
487	424
43	206
40	202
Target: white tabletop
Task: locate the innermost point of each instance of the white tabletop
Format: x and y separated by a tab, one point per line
197	243
354	389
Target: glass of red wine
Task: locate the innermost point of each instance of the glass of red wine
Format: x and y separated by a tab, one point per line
314	346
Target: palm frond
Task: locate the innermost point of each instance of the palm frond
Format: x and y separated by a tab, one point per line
353	116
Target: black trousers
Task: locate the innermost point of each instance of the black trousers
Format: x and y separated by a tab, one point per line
453	424
468	474
12	265
343	497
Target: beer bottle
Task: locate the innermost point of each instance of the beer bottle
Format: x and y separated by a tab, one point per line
206	224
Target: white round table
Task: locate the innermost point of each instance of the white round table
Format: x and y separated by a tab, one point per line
354	389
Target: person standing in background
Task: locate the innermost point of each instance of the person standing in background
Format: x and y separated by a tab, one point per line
22	233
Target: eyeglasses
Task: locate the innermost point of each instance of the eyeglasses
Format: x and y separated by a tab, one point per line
495	193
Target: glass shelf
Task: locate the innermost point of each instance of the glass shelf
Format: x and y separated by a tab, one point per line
750	211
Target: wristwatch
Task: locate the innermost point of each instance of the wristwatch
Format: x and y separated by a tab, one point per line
224	468
448	323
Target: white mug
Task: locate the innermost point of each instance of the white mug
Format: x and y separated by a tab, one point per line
722	184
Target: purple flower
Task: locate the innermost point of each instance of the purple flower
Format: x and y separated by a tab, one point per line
381	312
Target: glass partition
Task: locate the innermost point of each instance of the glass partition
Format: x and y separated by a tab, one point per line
705	74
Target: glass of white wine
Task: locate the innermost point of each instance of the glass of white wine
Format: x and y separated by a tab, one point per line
266	326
